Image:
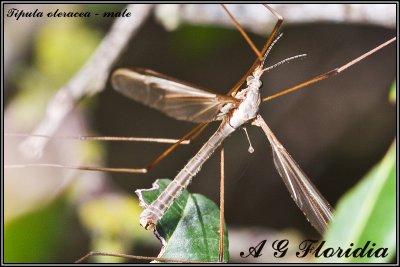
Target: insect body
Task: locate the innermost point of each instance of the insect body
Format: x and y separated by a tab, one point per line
245	112
166	94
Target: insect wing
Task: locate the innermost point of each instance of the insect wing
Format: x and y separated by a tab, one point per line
307	197
175	98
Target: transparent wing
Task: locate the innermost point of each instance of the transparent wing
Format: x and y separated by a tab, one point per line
307	197
175	98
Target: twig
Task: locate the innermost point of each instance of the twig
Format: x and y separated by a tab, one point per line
90	79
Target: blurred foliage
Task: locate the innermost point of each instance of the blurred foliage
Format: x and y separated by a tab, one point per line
190	227
92	152
367	213
194	42
112	220
60	49
392	94
37	236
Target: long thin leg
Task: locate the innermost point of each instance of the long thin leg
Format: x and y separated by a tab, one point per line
330	73
126	256
243	33
193	133
221	230
222	207
189	136
265	48
102	138
77	167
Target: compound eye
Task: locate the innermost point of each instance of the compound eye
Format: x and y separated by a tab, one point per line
249	79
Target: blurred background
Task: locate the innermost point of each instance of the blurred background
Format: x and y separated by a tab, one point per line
336	129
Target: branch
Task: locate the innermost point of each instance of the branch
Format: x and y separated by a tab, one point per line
259	20
90	79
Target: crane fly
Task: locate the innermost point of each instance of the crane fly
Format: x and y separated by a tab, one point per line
183	101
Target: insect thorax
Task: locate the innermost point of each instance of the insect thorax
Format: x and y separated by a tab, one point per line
248	108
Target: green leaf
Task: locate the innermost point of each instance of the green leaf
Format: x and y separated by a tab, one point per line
367	213
190	227
37	236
